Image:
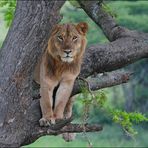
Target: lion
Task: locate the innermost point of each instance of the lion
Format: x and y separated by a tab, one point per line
58	68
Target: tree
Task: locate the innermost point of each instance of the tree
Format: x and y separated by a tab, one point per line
25	43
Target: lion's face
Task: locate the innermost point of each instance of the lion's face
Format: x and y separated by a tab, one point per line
67	41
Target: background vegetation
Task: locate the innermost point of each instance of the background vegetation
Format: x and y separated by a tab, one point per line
119	100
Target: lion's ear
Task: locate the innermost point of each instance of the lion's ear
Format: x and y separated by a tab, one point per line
82	27
55	29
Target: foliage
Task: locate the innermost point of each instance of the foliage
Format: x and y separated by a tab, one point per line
98	99
9	6
90	98
126	120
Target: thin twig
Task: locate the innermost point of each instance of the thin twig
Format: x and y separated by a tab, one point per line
88	86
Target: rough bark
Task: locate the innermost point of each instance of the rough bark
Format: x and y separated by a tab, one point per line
25	42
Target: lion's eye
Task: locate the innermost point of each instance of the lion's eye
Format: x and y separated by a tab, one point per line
60	38
75	38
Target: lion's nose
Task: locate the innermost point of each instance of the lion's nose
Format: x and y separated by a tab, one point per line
67	51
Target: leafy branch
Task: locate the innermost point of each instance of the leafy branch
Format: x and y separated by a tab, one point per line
127	120
123	118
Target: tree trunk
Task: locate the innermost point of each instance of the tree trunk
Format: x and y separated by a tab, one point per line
26	40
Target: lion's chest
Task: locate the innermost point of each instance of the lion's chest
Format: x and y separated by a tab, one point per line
61	72
66	76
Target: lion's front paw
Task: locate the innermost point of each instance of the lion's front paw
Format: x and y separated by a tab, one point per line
46	122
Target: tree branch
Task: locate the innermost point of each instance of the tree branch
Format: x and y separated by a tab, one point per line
107	23
103	81
114	55
69	128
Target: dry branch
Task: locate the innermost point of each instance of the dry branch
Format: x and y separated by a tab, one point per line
103	81
69	128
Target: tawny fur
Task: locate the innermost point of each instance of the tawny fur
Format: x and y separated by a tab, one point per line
58	67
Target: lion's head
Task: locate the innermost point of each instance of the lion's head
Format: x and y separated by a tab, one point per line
67	42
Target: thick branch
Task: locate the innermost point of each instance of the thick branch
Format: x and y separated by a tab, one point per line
70	128
111	29
114	55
